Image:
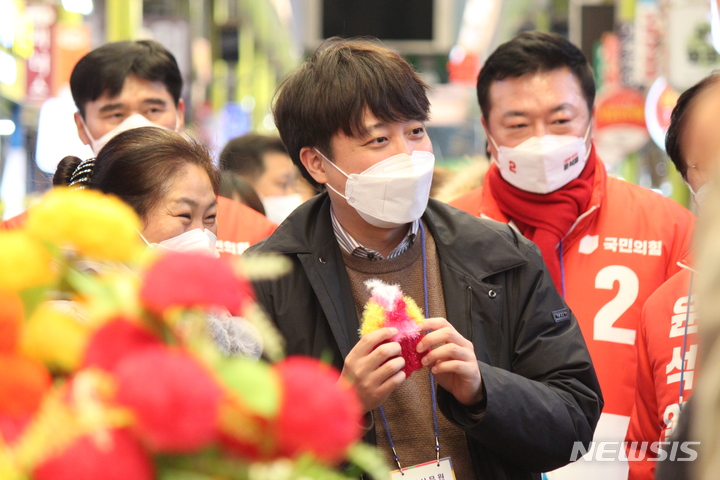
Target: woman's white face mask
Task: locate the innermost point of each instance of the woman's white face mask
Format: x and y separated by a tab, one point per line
392	192
196	241
543	164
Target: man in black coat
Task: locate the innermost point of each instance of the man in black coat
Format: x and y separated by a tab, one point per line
513	377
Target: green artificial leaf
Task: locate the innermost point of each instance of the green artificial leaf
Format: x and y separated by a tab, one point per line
305	468
326	357
109	293
32	298
368	458
209	464
174	474
266	266
256	383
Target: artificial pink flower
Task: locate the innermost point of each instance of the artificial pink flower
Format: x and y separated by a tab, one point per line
320	412
174	399
194	280
114	340
120	458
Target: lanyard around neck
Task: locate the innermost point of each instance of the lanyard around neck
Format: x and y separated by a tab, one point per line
396	457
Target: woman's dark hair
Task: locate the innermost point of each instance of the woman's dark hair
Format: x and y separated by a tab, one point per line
534	52
231	183
332	91
679	119
139	166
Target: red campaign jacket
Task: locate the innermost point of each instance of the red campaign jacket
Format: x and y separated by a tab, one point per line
615	256
661	334
239	226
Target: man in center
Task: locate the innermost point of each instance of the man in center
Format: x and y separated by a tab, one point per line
514	382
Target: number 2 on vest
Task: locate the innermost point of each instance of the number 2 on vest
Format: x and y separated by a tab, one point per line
606	317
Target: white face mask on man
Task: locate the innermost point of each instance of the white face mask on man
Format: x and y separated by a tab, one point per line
543	164
196	241
391	193
135	120
278	207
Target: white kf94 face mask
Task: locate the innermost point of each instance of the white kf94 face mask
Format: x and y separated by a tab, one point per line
278	207
196	240
543	164
391	193
135	120
701	195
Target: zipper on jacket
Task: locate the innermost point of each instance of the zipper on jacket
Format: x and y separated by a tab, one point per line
468	303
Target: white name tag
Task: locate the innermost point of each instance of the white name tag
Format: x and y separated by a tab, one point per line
426	471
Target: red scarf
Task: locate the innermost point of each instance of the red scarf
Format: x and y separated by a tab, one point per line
545	219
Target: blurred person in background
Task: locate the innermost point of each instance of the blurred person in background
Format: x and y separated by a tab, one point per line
125	85
462	181
172	184
236	188
263	162
608	244
441	175
667	334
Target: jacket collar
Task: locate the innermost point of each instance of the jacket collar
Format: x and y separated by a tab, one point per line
306	230
687	261
460	238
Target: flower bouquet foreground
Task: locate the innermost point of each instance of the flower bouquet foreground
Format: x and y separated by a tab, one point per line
108	368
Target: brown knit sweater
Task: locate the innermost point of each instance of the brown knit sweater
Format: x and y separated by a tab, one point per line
409	407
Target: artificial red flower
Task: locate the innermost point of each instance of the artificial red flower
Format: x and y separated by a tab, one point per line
194	280
11	428
23	383
11	317
118	457
114	340
174	399
320	412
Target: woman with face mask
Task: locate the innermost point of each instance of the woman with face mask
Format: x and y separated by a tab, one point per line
172	184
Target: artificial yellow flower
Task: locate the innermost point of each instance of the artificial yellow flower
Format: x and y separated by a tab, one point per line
55	337
24	262
96	225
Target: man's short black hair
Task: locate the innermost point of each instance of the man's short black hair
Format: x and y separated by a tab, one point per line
679	119
244	155
332	91
105	69
534	52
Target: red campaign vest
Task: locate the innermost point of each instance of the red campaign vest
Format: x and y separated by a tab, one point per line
617	254
661	335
